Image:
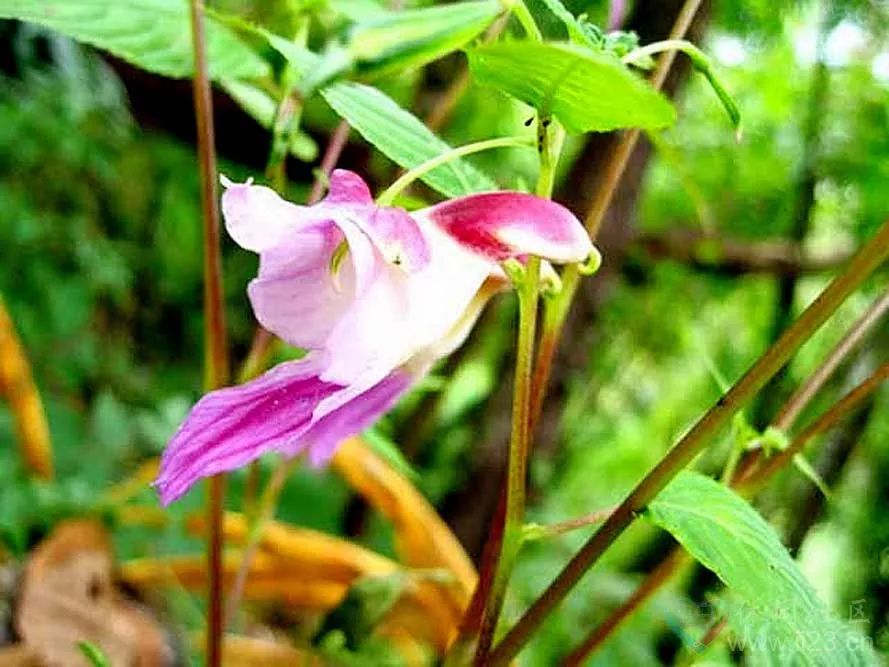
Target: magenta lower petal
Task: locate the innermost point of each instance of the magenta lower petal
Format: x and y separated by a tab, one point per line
230	427
320	440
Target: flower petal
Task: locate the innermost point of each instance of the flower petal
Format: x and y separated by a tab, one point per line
402	314
230	427
257	218
347	187
398	237
298	295
295	296
499	225
320	440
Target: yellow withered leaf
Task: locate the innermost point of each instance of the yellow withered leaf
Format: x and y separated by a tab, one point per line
17	387
314	554
269	578
422	538
240	651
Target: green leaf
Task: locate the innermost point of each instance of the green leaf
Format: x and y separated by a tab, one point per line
586	91
417	36
403	138
94	655
151	34
576	33
312	69
770	603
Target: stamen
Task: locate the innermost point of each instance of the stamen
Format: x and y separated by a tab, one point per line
336	261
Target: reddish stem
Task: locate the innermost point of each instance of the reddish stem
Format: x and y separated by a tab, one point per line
215	344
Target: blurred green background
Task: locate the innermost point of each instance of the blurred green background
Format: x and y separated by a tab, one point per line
100	269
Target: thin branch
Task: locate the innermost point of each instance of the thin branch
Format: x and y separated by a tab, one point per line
828	420
617	163
591	519
215	343
712	252
657	578
864	263
335	147
804	394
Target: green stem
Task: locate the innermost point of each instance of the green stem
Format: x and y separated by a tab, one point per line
752	483
215	344
389	194
265	512
536	531
864	263
528	288
287	117
523	15
699	61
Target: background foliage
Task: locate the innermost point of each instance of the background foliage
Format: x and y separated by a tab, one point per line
100	268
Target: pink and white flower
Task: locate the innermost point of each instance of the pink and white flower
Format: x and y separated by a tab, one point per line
374	294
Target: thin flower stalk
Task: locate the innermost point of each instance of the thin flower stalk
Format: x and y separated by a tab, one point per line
550	138
215	343
388	196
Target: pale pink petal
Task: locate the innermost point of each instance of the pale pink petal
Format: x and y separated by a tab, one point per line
395	233
441	294
462	327
499	225
401	315
257	218
363	256
372	337
398	237
295	295
347	187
